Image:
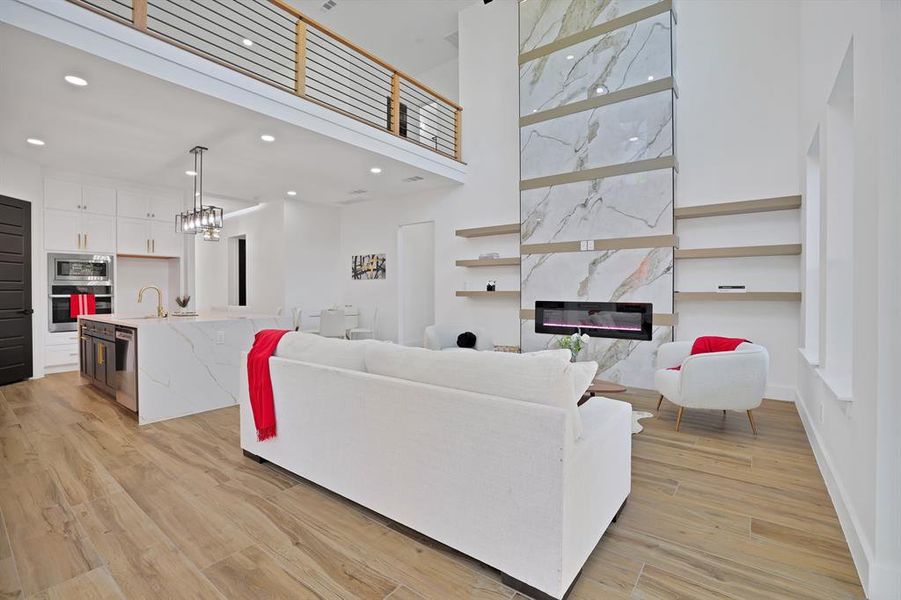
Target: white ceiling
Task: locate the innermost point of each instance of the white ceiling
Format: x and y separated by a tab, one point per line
130	126
408	34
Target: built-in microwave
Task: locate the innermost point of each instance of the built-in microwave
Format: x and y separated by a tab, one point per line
70	274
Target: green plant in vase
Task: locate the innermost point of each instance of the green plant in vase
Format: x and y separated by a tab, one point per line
574	343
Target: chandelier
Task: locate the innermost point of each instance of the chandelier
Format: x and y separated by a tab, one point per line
205	220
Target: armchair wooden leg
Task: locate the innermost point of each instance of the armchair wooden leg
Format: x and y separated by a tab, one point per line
679	417
659	402
753	424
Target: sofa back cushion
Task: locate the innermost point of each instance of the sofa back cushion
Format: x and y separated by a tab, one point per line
310	348
543	378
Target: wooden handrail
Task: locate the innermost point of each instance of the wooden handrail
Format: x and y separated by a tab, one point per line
139	14
340	38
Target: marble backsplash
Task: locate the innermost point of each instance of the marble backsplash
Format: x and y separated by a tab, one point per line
620	59
618	133
543	21
633	205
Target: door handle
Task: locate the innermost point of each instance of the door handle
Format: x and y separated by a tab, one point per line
27	311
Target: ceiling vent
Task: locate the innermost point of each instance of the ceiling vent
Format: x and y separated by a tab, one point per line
350	201
329	5
453	39
356	192
412	179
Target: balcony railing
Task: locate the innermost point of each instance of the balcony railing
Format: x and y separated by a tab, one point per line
275	43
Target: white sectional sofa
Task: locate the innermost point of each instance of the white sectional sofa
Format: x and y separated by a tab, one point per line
484	452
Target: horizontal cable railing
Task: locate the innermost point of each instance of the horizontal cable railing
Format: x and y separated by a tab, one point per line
274	43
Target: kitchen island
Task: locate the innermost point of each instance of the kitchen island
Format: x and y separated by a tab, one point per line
163	368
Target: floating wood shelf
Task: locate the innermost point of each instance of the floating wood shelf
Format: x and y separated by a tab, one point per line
491	230
740	251
731	297
487	294
649	241
490	262
738	208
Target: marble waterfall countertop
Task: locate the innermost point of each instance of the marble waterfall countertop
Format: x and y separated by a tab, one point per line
188	365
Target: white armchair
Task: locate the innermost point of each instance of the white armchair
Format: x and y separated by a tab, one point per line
733	380
442	337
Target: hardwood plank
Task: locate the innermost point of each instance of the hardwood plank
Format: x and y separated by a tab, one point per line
47	543
93	585
714	512
251	573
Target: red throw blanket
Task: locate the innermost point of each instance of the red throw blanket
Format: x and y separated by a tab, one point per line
259	381
82	304
712	343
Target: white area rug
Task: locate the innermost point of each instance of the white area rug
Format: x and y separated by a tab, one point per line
636	415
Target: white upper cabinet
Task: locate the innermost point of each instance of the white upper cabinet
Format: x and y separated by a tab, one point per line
163	239
141	205
98	200
99	233
164	208
66	195
133	205
62	230
63	195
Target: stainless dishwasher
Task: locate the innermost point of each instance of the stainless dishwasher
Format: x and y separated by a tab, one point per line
126	368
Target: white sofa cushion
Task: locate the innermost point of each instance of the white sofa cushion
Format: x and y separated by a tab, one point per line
545	378
332	352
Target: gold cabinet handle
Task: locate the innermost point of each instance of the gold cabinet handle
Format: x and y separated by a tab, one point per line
86	241
100	355
153	246
79	241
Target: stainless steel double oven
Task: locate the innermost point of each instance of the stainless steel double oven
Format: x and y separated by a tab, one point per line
77	274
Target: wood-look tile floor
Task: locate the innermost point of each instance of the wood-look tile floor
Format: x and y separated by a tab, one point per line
91	506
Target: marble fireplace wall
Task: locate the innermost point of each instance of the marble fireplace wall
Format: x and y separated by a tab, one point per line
569	76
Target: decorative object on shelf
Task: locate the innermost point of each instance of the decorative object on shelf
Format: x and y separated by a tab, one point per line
182	301
368	266
489	255
205	220
491	286
731	289
574	343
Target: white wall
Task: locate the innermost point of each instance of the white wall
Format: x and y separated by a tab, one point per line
443	78
23	180
856	442
314	271
488	53
265	232
134	273
737	139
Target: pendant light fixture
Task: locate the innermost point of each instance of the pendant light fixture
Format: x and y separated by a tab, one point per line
204	220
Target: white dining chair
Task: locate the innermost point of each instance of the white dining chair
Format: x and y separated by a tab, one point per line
331	323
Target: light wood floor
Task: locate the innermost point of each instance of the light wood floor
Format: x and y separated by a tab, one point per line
93	507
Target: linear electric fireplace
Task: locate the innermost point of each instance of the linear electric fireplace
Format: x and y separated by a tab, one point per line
621	320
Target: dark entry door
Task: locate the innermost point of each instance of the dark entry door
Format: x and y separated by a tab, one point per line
15	290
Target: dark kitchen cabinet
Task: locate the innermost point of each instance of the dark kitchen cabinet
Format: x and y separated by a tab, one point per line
98	355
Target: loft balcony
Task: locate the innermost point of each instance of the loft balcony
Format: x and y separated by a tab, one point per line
274	43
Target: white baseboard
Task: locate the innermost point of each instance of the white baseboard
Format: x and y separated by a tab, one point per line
861	549
781	392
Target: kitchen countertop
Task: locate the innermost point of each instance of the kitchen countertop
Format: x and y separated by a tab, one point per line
137	322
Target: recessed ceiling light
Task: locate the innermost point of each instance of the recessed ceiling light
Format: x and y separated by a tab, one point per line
569	57
35	141
601	90
191	173
375	170
75	80
292	193
534	110
247	42
650	78
633	139
267	138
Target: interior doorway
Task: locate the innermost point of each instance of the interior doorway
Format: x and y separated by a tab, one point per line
416	281
15	291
